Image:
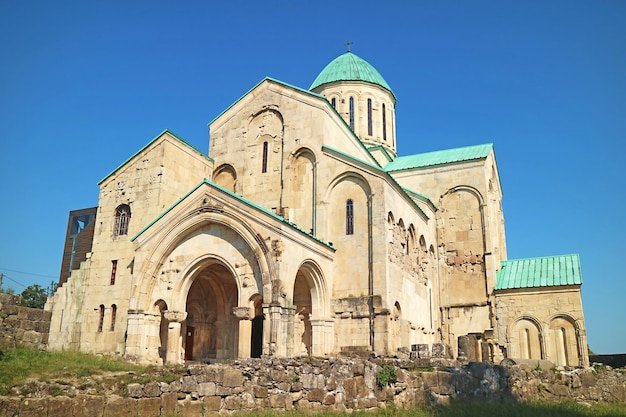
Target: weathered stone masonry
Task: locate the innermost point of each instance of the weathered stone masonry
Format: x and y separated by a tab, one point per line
24	326
323	385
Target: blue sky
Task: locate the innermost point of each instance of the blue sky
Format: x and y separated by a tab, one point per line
84	85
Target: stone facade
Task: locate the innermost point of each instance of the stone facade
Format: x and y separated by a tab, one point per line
299	234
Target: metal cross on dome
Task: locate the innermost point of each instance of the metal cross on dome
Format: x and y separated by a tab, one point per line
348	43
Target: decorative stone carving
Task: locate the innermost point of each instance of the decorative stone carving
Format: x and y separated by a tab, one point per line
242	313
208	204
175	316
277	248
298	333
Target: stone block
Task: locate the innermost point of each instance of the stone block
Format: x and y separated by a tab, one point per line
189	408
151	390
215	374
441	350
34	407
616	393
10	406
212	403
232	403
362	389
120	407
223	391
189	384
295	396
260	392
369	402
558	390
311	381
31	336
134	390
247	401
316	394
349	388
421	398
169	401
88	406
304	406
329	399
58	406
206	389
233	378
279	375
278	400
587	379
148	407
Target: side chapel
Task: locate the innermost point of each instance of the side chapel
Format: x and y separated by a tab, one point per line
302	232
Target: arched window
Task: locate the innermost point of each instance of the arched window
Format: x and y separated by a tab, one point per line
369	117
384	123
101	320
113	314
333	101
113	271
122	218
264	165
352	113
349	217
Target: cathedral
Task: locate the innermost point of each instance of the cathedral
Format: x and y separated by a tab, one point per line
302	232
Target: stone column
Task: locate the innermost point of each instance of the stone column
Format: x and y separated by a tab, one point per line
275	346
244	315
134	336
318	330
152	323
174	339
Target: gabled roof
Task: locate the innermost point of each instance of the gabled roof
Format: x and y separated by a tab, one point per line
310	93
548	271
238	197
170	133
350	67
377	169
447	156
302	90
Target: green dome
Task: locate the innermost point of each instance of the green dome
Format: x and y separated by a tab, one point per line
349	67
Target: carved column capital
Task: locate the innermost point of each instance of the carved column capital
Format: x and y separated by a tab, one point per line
175	316
242	313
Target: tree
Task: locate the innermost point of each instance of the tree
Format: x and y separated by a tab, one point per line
34	296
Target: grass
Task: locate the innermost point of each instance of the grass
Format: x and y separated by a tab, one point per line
563	409
19	364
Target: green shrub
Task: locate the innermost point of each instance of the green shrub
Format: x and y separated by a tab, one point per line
386	376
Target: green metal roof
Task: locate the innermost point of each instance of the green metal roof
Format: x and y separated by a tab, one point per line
548	271
350	67
447	156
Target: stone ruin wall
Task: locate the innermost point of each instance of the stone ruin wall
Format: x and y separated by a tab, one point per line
313	385
24	326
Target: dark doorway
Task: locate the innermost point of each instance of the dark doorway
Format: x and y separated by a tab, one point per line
256	347
189	343
210	303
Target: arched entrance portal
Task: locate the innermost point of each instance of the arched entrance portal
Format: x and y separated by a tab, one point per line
211	330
